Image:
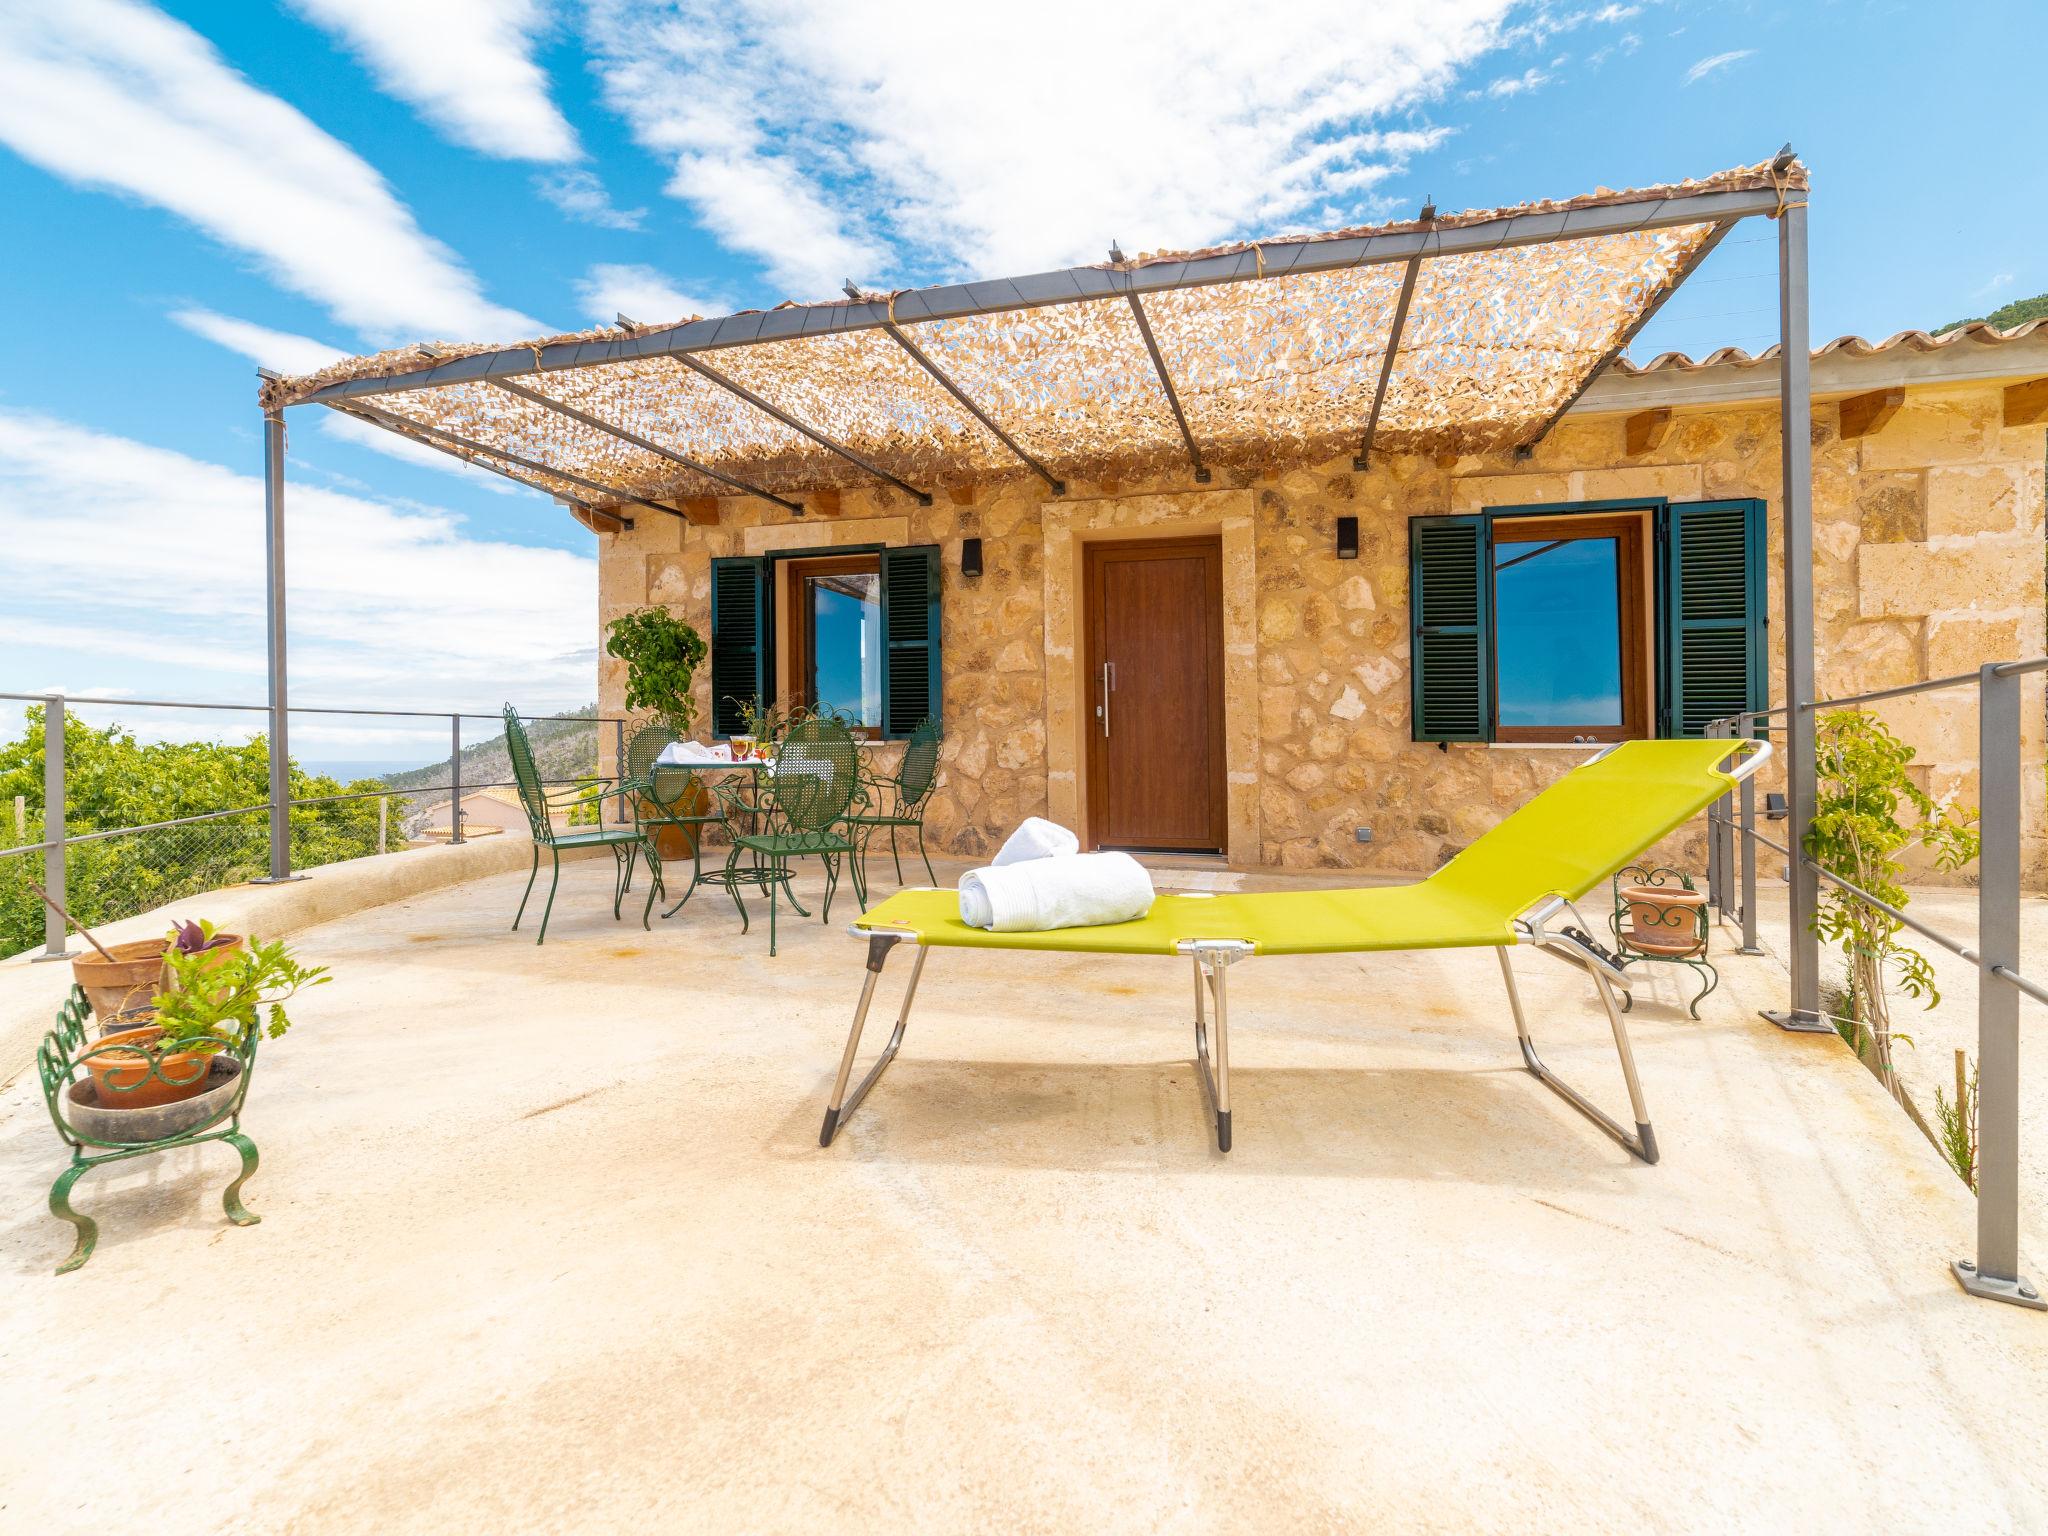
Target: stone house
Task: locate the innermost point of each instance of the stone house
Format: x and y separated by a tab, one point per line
1292	706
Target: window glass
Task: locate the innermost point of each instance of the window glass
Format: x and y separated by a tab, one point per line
1557	618
842	613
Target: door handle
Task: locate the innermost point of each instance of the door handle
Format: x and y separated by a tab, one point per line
1108	683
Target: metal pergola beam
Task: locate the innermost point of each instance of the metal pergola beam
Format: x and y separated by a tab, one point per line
1075	285
1379	394
1180	418
461	447
1677	281
706	371
647	445
895	334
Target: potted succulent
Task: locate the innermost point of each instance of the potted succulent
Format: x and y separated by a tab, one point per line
213	995
662	654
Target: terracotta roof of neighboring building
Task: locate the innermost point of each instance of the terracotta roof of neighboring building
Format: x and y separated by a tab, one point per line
1853	346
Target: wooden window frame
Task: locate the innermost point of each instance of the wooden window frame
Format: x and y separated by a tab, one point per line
799	623
1630	530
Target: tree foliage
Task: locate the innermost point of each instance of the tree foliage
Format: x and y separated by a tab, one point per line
113	781
2006	316
1858	835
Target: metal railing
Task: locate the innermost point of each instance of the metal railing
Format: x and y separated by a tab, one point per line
233	845
1732	840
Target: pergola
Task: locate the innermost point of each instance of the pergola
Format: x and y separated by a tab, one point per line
1445	333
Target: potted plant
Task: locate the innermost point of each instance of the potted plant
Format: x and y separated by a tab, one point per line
212	997
662	654
123	978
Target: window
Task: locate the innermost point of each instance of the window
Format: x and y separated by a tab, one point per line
855	631
1570	634
833	636
1596	622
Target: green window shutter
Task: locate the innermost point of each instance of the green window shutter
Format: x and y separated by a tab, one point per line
910	638
740	639
1450	628
1714	613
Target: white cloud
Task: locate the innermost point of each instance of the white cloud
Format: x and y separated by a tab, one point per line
638	293
958	138
580	195
280	351
172	583
1716	61
1998	280
1529	79
114	94
467	65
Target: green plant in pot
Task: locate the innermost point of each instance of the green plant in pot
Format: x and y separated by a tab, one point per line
214	996
662	654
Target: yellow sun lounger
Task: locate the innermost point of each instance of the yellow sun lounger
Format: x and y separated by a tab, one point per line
1505	889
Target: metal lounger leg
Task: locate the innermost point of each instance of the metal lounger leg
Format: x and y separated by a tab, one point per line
843	1104
1644	1142
1210	969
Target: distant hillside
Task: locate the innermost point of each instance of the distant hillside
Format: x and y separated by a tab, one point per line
562	749
2018	312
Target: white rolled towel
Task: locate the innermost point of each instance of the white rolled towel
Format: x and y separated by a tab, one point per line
1036	838
1078	890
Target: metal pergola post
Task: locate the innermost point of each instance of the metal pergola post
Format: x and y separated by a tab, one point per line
1795	417
280	742
1995	1272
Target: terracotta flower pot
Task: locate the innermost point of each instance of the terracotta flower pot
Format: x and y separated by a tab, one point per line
130	980
1664	919
124	1080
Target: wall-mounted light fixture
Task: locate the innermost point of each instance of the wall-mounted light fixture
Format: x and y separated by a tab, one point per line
1347	538
970	557
1775	808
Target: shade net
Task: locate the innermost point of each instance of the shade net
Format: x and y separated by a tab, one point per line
1274	369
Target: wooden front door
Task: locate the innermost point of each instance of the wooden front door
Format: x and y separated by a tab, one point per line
1154	717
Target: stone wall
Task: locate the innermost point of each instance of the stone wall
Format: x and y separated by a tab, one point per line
1928	555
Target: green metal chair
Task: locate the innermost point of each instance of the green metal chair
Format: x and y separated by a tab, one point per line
98	1130
802	811
626	843
897	801
635	770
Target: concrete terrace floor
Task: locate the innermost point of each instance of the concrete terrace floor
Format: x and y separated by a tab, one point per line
548	1244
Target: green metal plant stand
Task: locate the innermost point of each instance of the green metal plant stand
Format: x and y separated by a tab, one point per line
1680	938
99	1132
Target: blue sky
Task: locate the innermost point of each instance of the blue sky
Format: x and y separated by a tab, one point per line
187	184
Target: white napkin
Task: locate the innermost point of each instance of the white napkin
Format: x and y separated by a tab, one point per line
678	753
1079	890
1036	838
